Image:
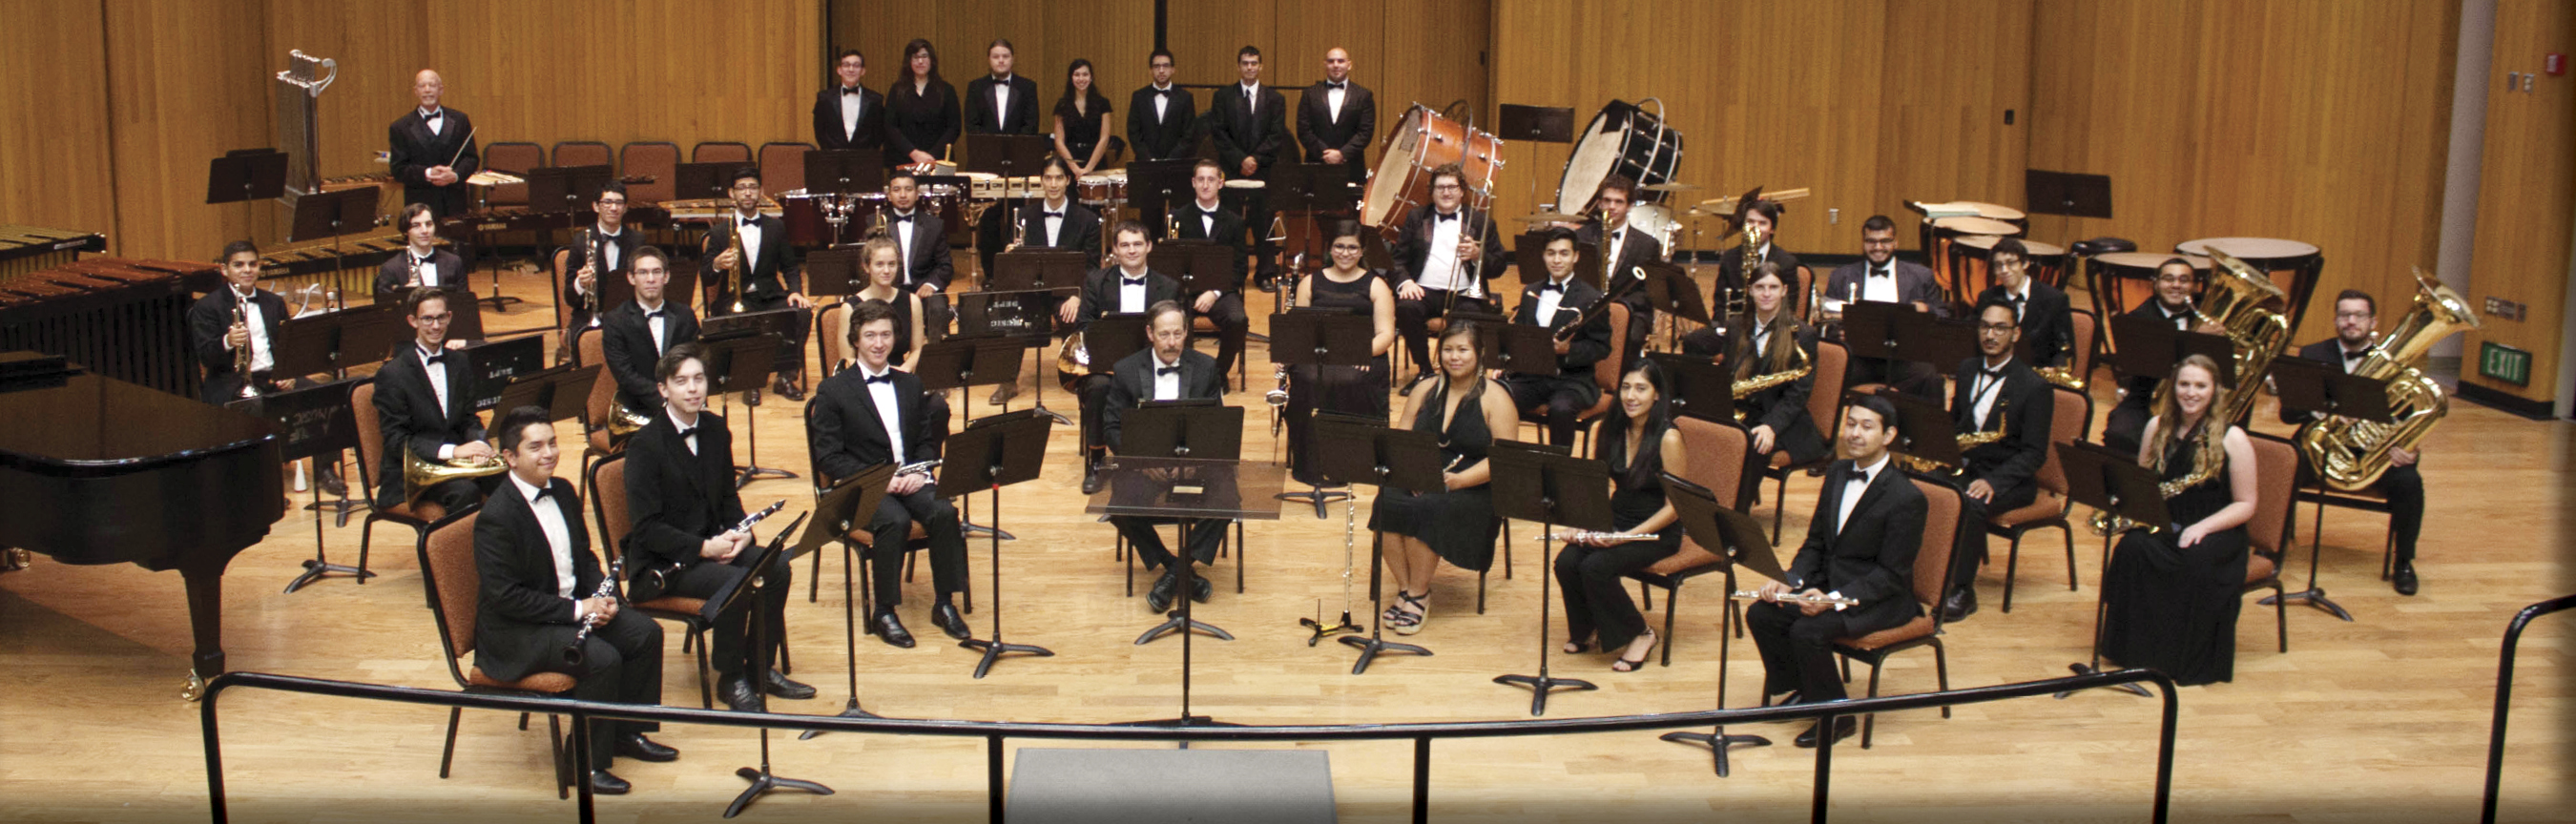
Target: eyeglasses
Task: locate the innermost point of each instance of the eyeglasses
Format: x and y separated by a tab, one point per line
437	319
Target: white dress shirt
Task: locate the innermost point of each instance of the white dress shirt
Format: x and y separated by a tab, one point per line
1988	387
550	519
1054	220
685	426
435	118
1131	290
852	98
437	373
421	261
656	321
749	228
1207	218
1162	100
1251	96
1861	478
1001	100
1333	99
1878	283
1167	385
2020	299
881	392
1439	267
1549	300
903	238
2181	320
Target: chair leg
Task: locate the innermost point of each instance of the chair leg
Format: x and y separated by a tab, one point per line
1869	723
366	536
447	756
1941	670
523	722
2012	568
1779	499
706	683
911	561
1846	670
2281	611
1238	557
1507	550
2068	529
786	663
563	757
814	581
1131	566
1480	593
1672	604
2388	556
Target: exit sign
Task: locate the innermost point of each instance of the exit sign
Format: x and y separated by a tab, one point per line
2504	363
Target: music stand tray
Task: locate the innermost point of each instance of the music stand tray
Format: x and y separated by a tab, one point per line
843	171
490	367
1670	290
1535	124
1525	349
2067	193
834	272
1701	389
2315	386
332	214
1197	429
2151	348
701	181
1199	265
1159	185
1112	338
1925	429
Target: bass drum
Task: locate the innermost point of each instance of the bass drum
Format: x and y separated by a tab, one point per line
1623	139
1424	141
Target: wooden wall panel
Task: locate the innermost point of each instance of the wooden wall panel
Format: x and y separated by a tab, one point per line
2527	200
53	119
183	80
1945	117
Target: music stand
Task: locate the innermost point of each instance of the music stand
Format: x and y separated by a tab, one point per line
1399	459
1524	349
333	215
1050	272
1113	337
843	171
2100	477
1550	486
727	599
964	362
990	453
2067	193
1535	124
244	175
1187	490
1669	290
1184	429
836	514
335	340
1319	338
315	421
1700	389
1199	265
1529	250
563	392
1738	538
2325	389
1154	187
2152	347
1925	430
834	272
701	181
490	366
1895	332
741	358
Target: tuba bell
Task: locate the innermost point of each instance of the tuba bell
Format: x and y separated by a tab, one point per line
2244	302
419	475
2351	454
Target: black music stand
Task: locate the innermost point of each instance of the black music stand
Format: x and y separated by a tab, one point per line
2100	477
1896	332
1049	272
338	339
1524	349
1535	124
1005	154
564	392
2152	347
965	362
2067	193
1700	389
729	598
1395	459
1155	187
1925	430
333	215
834	272
2325	389
701	181
316	421
836	514
491	366
843	171
1739	538
246	175
1319	338
1548	485
1670	290
1188	490
1199	265
1195	429
1529	251
990	453
741	354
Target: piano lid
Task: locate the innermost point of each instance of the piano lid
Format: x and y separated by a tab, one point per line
94	425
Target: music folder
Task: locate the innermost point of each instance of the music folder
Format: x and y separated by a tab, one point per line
1700	389
490	367
1401	458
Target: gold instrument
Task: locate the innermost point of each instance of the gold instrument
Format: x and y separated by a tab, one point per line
623	423
1967	441
419	475
2243	301
2105	522
242	354
1756	252
1072	361
411	263
2351	454
1800	365
741	260
1794	598
2062	375
590	299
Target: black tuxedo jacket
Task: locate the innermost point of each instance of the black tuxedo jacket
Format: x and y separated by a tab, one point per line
775	269
212	316
981	118
1413	245
1133	383
1080	231
578	254
415	150
626	343
1913	283
871	133
408	413
927	123
517	567
2047	324
1168	137
1259	132
677	500
930	263
1871	558
1782	407
847	435
1226	228
1317	131
1100	294
1635	249
1590	344
1730	275
396	271
2027	411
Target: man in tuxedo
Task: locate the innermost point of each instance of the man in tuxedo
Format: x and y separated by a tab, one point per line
421	262
1878	277
681	499
2177	287
1442	249
875	415
1995	393
922	236
1337	118
604	249
2047	323
848	115
1250	122
2356	324
1205	219
1167	371
425	405
1860	545
1055	221
1625	248
218	338
1127	288
1762	216
433	149
634	335
1162	121
1553	304
772	278
1002	102
541	584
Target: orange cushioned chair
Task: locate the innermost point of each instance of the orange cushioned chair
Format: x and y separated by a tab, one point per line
1931	579
455	589
1713	458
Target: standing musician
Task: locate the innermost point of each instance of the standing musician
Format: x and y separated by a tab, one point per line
1160	120
1465	410
1638	443
1250	123
2047	323
1443	257
1346	285
1206	219
1624	248
1081	120
1878	277
614	246
680	494
217	330
433	149
2171	596
1555	304
421	262
634	335
921	109
1002	102
1770	341
2356	324
540	585
1126	288
1734	274
2177	284
1995	393
771	279
1167	371
873	415
1860	545
847	115
427	408
1337	118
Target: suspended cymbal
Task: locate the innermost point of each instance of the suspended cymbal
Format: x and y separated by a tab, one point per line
1550	217
1674	186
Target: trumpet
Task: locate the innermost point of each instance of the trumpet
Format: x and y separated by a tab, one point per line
1794	598
242	354
590	299
411	264
733	243
572	655
420	474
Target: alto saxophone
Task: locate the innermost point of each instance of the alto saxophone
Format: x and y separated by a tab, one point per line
1799	366
2105	522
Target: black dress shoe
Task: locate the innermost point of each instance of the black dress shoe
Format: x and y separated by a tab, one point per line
2404	578
331	482
1843	728
602	782
1785	699
1090	479
778	684
1961	604
945	615
1159	599
739	694
641	748
1003	394
786	390
1200	589
890	630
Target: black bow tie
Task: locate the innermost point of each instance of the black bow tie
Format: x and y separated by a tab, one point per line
1552	286
1128	281
689	432
1862	475
747	222
1991	373
1342	84
432	358
1438	217
2015	298
1882	272
434	115
2354	356
1053	213
902	218
850	91
887	378
543	493
1160	371
654	314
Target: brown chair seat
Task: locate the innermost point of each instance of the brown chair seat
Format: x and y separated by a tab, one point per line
2048	505
1780	459
424	511
2259	568
673	603
1920	627
869	539
546	682
1690	556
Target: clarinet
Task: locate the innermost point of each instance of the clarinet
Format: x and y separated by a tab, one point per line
572	655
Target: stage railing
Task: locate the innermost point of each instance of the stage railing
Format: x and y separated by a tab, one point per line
2504	695
995	733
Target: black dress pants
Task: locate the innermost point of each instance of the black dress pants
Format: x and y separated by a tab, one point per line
893	526
727	649
622	663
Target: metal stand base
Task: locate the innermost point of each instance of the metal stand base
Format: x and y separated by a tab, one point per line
973	530
2089	669
1318	496
1370	647
762	782
315	568
1323	630
1058	417
1717	742
2312	596
1175	622
1542	684
851	711
994	650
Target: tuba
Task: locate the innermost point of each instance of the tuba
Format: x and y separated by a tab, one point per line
419	475
2242	301
2351	454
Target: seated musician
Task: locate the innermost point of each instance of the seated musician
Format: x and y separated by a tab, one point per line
1206	219
421	263
218	335
1346	285
425	406
541	584
873	414
1555	304
1860	545
771	279
634	335
431	149
882	260
1623	249
1637	441
1734	276
1168	371
1878	277
1999	395
1465	410
1771	344
2171	595
1443	257
680	494
605	249
2047	323
2172	304
2356	324
1127	288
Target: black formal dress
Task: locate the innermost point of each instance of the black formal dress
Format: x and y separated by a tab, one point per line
416	148
834	132
1458	524
1412	252
2047	322
921	120
1782	407
1344	389
1707	343
525	616
413	418
848	432
1909	282
2174	608
679	497
2128	420
2019	402
210	318
1020	118
1253	125
1591	577
1134	383
1868	557
1083	131
1232	324
1561	398
619	250
632	350
1634	249
1319	127
2404	485
1104	293
774	273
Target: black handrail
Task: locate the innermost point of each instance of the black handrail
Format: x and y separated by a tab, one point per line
994	732
2504	695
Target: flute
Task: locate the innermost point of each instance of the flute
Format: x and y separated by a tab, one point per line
1603	537
922	468
1794	598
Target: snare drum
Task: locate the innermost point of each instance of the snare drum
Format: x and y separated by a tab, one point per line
2293	265
2121	280
1622	140
1421	142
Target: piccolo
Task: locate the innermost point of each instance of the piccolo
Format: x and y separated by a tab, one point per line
1794	598
1605	537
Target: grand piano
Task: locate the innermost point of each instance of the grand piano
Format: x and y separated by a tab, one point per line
99	471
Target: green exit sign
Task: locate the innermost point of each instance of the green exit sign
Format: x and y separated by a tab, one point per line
2504	363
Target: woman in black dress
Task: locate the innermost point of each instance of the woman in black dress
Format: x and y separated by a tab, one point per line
1768	340
1637	442
2171	596
1079	118
921	108
1464	409
1349	286
884	261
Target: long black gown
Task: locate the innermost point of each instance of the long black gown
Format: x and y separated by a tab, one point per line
1590	577
1458	524
1332	388
2174	608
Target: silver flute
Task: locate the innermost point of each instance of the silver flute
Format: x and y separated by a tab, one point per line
921	468
1605	537
1794	598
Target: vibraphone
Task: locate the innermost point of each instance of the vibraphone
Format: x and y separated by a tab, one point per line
123	318
346	265
28	249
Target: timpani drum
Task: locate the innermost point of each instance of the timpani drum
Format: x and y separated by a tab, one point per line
1238	193
1092	190
1623	140
1976	263
1421	142
2294	266
1940	248
2122	280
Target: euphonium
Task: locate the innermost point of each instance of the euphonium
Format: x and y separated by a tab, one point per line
2351	454
419	475
2242	300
